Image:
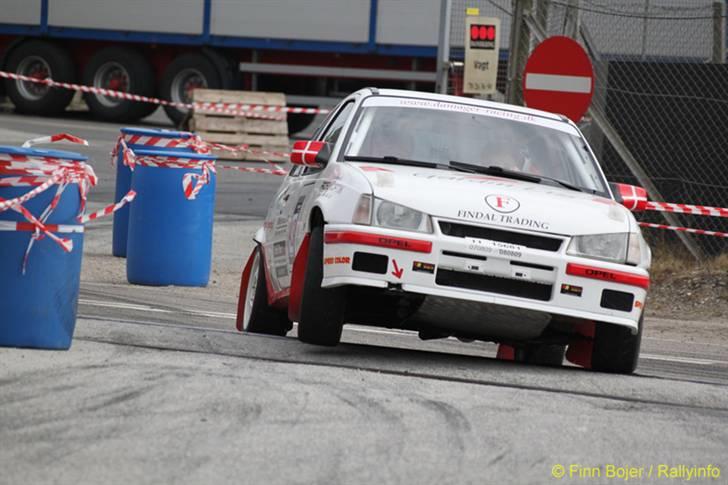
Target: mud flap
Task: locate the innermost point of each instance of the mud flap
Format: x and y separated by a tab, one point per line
580	349
244	279
506	352
297	278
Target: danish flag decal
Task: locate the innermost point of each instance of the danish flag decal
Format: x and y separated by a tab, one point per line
304	152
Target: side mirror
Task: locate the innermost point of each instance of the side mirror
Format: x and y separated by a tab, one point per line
311	153
632	197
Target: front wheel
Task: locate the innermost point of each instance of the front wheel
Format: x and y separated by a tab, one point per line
615	349
322	309
254	313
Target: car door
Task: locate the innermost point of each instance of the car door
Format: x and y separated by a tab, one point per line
300	192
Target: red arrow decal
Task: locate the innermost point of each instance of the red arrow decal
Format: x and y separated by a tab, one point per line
398	272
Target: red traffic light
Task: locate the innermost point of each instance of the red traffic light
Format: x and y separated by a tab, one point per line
482	32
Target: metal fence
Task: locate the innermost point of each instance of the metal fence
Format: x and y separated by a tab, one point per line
659	116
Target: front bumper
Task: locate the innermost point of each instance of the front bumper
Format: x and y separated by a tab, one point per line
450	267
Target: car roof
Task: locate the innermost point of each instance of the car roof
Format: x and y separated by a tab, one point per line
461	99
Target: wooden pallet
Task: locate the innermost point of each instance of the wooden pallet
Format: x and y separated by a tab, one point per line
260	134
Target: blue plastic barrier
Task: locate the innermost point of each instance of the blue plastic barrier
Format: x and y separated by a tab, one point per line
39	307
170	237
137	139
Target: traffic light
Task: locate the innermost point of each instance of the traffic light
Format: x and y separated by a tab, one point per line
482	36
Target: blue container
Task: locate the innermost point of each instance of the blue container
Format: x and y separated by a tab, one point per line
170	237
123	178
39	307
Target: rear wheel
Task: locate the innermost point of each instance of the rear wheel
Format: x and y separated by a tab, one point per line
182	76
258	317
119	69
40	60
322	309
615	349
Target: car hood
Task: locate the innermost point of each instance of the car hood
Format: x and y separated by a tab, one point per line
492	200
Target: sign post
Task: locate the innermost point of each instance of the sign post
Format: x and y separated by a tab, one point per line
559	78
482	45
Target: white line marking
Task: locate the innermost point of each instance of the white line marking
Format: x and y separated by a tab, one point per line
682	360
356	328
554	82
146	308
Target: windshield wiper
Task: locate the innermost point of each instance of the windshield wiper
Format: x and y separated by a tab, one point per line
494	170
406	161
393	160
502	172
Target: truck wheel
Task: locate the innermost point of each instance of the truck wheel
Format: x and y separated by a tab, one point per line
184	74
551	355
615	349
119	69
256	315
322	309
40	59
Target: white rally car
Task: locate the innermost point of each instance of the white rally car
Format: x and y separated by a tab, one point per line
452	217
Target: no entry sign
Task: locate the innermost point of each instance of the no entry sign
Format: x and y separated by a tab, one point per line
559	78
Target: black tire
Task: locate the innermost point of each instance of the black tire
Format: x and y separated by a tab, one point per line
185	72
322	309
615	349
131	70
551	355
38	56
264	319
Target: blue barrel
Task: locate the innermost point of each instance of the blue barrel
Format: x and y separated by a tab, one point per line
39	307
123	174
170	237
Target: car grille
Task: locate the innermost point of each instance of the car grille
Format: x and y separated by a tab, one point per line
494	284
480	232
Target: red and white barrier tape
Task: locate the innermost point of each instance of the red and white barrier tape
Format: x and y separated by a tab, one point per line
239	109
697	210
268	171
42	173
701	232
109	209
192	141
55	138
27	226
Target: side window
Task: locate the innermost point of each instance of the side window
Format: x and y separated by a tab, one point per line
337	125
333	131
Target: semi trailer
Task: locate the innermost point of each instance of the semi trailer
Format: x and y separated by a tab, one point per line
315	51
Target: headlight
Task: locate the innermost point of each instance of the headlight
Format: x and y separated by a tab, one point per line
390	215
609	247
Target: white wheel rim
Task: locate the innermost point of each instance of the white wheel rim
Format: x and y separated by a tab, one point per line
115	77
250	292
33	66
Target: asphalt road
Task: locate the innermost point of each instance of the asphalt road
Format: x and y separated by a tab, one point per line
159	387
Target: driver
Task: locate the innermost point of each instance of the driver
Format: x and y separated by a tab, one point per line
391	138
503	150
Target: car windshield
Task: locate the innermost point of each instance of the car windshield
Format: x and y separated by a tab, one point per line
430	131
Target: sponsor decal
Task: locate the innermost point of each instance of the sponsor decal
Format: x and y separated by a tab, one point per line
281	271
571	290
478	179
638	304
503	219
279	249
337	260
423	267
502	203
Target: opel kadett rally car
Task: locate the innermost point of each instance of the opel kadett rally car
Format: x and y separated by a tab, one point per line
452	217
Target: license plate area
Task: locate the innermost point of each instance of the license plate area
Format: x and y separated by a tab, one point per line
497	249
